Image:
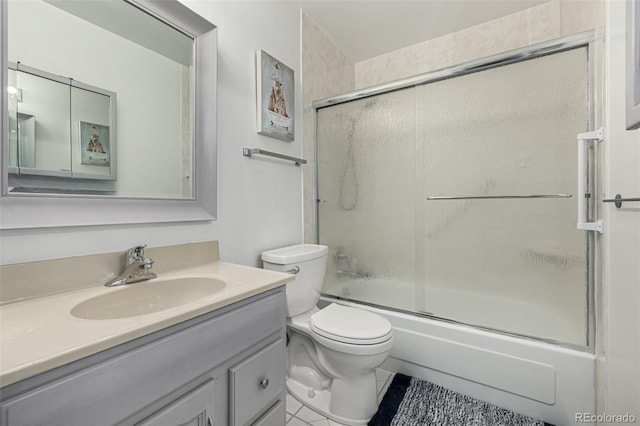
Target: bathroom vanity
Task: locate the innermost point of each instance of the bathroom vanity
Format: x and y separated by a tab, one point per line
218	360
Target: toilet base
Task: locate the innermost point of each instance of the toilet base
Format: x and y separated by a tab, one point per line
319	401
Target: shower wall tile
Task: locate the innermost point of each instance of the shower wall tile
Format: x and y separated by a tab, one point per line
544	22
578	15
601	15
489	38
326	72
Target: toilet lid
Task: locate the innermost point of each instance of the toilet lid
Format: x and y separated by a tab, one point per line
350	325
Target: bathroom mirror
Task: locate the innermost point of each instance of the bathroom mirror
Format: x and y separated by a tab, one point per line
159	58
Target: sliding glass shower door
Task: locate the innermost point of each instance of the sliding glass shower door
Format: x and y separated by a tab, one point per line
516	263
457	198
367	198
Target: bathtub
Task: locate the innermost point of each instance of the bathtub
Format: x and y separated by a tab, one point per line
536	378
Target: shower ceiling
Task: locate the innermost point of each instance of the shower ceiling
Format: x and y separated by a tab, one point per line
367	28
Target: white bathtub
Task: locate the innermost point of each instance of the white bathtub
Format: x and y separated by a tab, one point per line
494	311
539	379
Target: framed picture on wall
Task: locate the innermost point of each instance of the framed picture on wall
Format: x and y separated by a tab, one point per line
94	144
275	92
633	64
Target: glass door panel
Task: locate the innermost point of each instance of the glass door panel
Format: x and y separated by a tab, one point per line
366	189
517	264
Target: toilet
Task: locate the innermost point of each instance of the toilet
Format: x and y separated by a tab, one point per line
332	353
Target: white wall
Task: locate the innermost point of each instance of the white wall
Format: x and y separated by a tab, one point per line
259	201
620	381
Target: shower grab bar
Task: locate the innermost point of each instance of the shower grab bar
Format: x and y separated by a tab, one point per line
618	200
482	197
583	195
248	152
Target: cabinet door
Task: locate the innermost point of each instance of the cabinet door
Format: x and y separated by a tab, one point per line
193	409
256	383
274	417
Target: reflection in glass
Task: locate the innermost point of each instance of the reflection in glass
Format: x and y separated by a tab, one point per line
42	121
59	128
13	98
91	146
149	64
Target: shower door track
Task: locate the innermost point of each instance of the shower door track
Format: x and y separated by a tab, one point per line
513	56
585	39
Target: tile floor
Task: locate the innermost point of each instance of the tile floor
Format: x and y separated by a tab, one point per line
297	415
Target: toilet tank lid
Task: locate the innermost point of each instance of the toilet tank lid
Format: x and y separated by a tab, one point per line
293	254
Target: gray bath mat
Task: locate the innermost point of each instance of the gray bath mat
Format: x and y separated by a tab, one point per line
413	402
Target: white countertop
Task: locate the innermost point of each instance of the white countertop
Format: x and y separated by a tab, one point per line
39	334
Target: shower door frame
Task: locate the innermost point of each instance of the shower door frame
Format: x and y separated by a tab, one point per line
585	39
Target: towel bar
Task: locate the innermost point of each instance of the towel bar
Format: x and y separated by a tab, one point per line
248	152
618	200
479	197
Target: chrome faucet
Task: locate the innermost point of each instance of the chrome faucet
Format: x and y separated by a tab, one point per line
136	268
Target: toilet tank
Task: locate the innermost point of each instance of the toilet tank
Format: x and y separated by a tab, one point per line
310	261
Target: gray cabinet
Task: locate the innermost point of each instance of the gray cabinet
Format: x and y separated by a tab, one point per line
255	383
193	409
226	367
273	416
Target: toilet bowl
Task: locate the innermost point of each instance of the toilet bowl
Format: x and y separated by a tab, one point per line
332	352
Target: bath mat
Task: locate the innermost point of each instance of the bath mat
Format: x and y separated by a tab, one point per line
413	402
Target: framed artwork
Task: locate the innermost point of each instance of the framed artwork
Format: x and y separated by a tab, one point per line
94	144
275	92
633	64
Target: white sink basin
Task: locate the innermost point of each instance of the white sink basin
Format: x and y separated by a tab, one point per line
146	297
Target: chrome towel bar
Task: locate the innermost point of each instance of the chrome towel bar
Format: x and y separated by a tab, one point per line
248	152
490	197
618	200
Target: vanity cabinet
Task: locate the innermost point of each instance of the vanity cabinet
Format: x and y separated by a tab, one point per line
193	409
226	367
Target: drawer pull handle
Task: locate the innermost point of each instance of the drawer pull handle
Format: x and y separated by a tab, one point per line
209	421
264	383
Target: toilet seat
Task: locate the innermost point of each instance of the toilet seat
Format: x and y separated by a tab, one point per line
350	325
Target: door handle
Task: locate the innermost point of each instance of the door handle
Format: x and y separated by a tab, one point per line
583	222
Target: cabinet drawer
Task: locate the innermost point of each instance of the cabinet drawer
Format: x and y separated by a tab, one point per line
276	416
256	382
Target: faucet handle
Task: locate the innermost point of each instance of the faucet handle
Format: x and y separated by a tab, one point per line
147	263
135	254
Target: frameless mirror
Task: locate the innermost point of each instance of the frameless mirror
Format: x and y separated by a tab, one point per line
66	141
